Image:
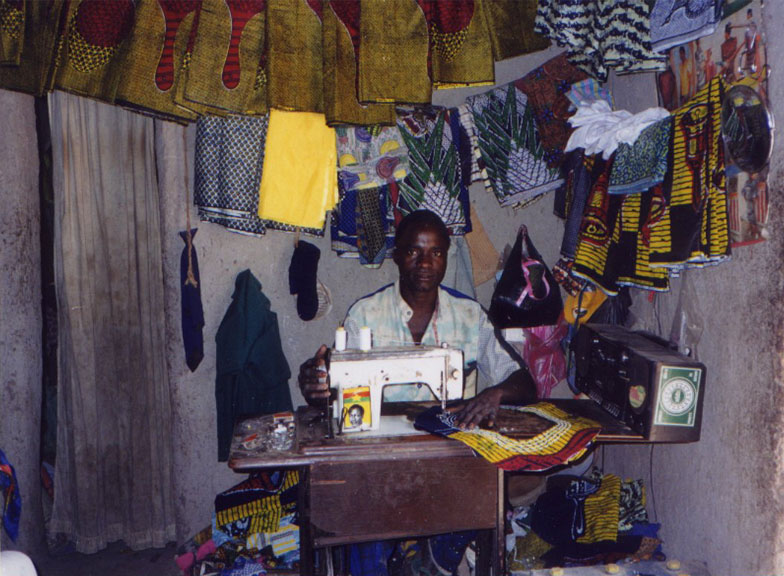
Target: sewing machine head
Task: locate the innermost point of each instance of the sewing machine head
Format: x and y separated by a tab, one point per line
360	378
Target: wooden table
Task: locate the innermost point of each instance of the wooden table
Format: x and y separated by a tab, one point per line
355	488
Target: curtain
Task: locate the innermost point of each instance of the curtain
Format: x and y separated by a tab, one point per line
113	475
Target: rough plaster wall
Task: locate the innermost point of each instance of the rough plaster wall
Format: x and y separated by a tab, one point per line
222	255
719	499
20	311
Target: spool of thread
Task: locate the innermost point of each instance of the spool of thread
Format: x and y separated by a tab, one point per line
364	339
340	339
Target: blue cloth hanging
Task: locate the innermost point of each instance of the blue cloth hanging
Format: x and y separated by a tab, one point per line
192	310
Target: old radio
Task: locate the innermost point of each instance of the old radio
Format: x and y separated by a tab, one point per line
654	390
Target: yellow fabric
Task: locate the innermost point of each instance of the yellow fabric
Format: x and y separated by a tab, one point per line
299	179
601	512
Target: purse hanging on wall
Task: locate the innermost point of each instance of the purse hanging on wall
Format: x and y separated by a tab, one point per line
526	294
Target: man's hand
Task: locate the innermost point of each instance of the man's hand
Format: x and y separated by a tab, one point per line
313	378
482	407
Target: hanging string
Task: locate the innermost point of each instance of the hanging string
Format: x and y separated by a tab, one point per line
189	278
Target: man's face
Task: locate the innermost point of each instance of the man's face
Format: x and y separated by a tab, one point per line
421	255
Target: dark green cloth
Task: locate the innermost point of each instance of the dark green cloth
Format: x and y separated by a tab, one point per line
252	373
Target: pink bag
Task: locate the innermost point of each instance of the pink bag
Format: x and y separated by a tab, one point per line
544	356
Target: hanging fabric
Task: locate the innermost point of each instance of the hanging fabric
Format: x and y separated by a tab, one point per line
114	414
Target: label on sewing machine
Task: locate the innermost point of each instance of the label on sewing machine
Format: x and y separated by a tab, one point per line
356	406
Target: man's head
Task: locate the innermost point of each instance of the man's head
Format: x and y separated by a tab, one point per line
421	246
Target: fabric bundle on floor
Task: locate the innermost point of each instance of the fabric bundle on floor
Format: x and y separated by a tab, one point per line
566	440
509	151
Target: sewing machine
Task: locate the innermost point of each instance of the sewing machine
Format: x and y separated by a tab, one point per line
359	377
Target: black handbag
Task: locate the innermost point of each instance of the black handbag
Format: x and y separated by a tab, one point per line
526	294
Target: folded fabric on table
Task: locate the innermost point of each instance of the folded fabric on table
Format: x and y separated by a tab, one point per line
565	440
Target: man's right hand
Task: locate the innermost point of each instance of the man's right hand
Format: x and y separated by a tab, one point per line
313	378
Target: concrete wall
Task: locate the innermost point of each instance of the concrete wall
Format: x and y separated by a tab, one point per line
717	499
20	309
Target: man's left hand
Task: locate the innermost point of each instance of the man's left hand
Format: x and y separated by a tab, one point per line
482	407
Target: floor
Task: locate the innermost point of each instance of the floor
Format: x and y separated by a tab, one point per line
116	560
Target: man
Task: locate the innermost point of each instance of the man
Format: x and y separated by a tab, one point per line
418	310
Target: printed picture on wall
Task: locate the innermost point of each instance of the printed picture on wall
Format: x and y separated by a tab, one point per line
737	52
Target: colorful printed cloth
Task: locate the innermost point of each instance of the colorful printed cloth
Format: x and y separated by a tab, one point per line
546	88
694	229
435	180
363	226
587	91
299	177
229	159
641	165
601	35
12	501
614	240
565	441
509	150
511	25
674	22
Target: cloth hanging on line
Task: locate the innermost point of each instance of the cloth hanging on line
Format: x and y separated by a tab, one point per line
435	180
252	372
674	23
566	440
299	174
229	158
694	229
641	165
509	150
192	309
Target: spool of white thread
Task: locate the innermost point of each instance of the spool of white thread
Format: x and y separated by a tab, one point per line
364	339
340	339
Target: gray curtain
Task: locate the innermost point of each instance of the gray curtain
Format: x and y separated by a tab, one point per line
113	478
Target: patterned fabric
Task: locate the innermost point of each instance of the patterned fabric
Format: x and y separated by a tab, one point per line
613	244
435	180
293	38
299	177
12	501
546	88
639	166
223	70
340	44
393	53
631	505
587	91
509	150
154	49
90	57
348	226
674	22
511	24
229	158
458	321
12	25
257	504
368	158
565	441
694	230
601	511
601	35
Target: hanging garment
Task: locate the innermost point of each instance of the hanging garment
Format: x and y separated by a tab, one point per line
299	176
363	226
224	67
12	32
229	158
252	373
340	44
294	64
509	150
546	88
599	129
674	23
694	230
154	49
435	180
566	440
641	165
192	309
511	26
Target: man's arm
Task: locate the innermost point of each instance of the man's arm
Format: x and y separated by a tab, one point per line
518	388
